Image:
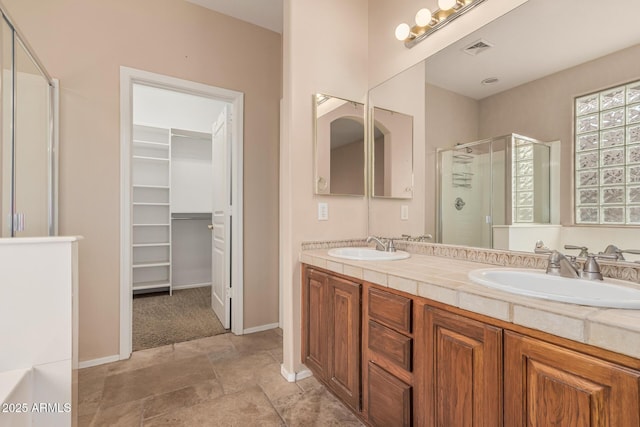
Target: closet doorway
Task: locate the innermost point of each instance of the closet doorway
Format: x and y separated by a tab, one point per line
181	195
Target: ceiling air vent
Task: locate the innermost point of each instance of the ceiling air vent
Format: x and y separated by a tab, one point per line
477	47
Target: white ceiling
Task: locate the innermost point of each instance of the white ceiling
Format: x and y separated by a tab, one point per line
539	38
264	13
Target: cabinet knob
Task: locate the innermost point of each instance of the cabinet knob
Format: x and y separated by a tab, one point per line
210	226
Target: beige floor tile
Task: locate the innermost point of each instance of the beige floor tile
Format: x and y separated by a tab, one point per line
157	379
316	407
249	407
142	359
308	384
182	398
241	372
219	344
273	383
249	343
127	414
85	420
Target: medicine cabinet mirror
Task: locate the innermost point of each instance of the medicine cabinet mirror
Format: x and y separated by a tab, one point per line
392	154
339	154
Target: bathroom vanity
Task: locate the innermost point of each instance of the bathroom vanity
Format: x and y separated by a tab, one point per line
415	342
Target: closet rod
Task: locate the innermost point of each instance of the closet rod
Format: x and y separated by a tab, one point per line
192	217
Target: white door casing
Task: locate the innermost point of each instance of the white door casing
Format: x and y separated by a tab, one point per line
129	76
221	243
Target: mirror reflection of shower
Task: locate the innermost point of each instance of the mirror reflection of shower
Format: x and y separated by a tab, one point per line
497	182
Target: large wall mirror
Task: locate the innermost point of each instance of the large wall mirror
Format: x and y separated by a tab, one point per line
521	76
339	146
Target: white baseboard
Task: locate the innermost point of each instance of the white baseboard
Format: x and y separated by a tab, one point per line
292	377
99	361
190	286
261	328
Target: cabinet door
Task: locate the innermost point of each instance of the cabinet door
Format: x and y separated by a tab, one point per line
314	325
547	385
462	379
344	340
389	399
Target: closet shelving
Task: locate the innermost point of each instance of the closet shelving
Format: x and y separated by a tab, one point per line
151	217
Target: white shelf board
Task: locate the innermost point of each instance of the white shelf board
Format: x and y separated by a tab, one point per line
145	142
151	225
155	159
150	204
151	285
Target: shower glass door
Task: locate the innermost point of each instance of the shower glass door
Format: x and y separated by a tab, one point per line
466	195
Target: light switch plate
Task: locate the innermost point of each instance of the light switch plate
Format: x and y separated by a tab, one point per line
323	211
404	212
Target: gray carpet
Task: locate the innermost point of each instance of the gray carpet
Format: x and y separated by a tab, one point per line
160	319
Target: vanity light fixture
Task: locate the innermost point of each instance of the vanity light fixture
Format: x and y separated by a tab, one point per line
427	22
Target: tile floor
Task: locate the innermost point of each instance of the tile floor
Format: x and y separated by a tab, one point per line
224	380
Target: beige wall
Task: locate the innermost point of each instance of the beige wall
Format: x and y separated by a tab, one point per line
543	109
83	43
325	51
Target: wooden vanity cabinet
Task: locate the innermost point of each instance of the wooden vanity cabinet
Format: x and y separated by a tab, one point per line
429	364
548	385
460	381
331	332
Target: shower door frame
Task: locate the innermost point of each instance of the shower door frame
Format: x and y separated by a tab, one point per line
507	187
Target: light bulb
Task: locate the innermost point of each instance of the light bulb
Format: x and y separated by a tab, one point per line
446	4
403	31
423	17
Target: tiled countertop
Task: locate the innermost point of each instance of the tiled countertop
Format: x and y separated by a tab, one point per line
445	280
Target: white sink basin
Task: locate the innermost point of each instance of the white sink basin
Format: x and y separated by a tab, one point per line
536	283
367	254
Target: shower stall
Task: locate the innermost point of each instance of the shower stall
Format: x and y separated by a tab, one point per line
499	181
28	142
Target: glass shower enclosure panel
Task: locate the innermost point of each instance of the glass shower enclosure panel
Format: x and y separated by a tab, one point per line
494	182
31	147
466	209
27	154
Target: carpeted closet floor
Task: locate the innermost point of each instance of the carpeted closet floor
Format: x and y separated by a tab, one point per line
162	319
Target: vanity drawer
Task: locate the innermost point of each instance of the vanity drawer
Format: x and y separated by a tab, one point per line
390	309
391	345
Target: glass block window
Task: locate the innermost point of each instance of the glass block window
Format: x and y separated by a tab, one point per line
607	156
523	181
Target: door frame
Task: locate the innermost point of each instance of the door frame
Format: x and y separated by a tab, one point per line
129	76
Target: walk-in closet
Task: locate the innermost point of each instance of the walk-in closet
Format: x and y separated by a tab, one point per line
172	180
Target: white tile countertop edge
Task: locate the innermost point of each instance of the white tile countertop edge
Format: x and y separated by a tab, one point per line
445	280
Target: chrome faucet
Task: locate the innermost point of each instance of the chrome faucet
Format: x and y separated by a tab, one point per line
560	265
381	245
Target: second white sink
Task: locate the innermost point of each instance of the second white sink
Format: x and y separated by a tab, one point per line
367	254
536	283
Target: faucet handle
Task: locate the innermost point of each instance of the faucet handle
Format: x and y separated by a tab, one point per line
627	251
584	251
